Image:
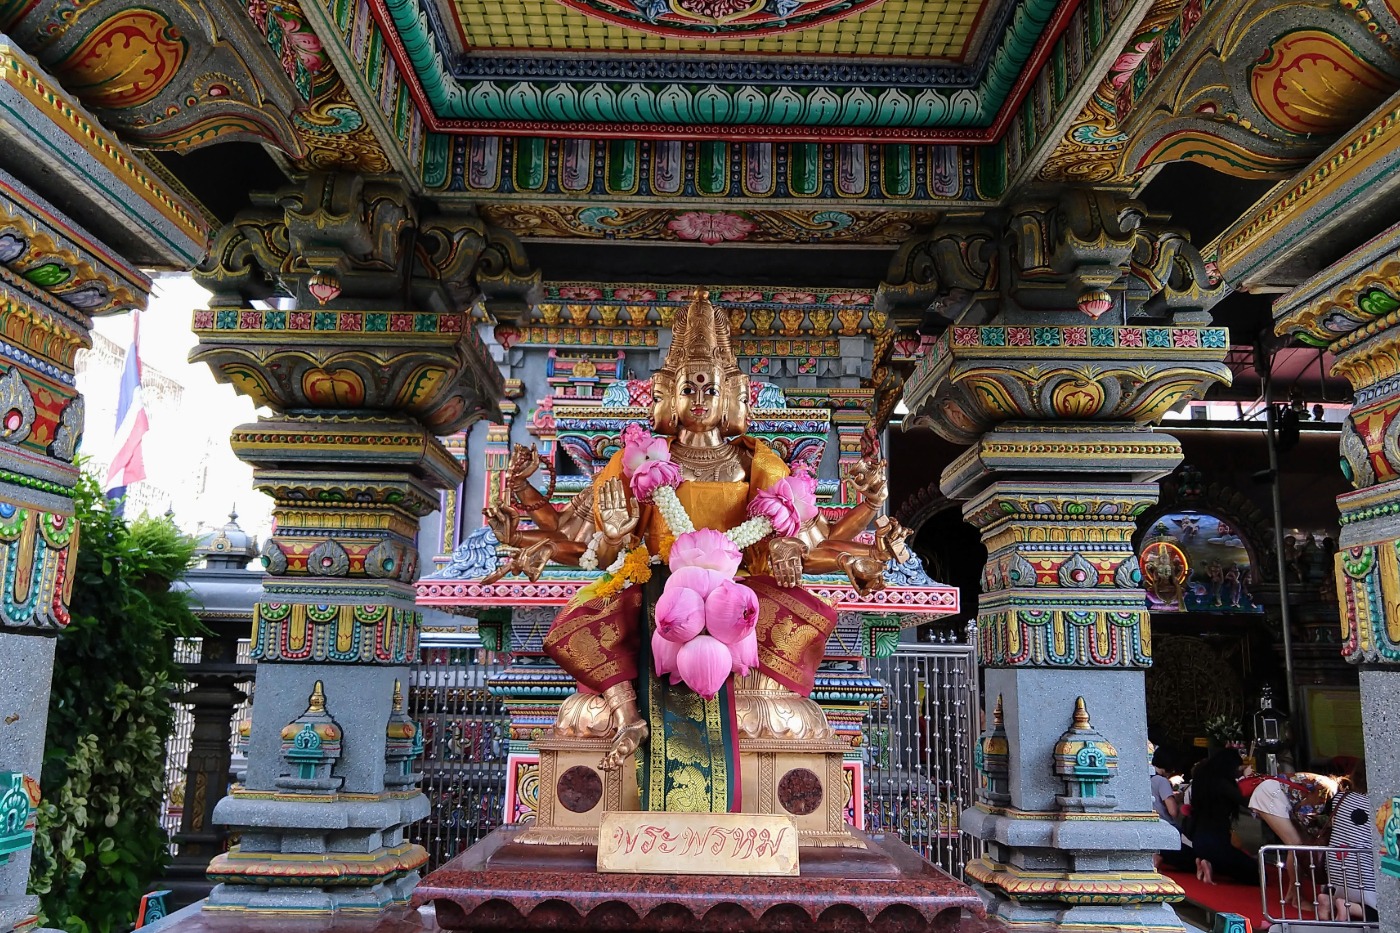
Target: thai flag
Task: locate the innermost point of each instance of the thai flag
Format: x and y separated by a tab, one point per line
127	466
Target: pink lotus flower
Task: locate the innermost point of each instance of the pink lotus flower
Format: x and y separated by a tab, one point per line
579	293
635	434
786	504
652	476
848	298
710	227
794	298
640	447
706	548
704	663
663	655
731	612
744	654
700	579
634	294
680	613
741	296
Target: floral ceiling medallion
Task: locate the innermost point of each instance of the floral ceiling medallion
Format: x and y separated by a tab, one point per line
719	19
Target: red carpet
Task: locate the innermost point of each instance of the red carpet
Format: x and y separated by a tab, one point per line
1225	897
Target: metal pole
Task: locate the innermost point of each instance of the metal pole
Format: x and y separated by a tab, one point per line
1285	610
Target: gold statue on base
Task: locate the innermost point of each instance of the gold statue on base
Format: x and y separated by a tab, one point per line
699	632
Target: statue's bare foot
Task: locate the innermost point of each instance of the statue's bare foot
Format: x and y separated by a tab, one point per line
628	739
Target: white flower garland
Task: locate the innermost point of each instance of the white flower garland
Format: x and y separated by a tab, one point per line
677	518
679	522
589	560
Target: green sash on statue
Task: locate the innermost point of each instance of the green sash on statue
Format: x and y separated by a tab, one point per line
691	761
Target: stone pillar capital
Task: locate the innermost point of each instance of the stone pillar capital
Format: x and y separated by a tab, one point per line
975	378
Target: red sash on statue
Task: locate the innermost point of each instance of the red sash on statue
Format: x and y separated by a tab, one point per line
793	627
597	642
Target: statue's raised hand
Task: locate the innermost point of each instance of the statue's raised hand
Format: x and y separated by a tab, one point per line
617	512
502	520
524	462
890	536
869	479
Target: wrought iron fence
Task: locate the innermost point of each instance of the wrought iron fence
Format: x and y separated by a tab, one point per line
190	651
466	739
918	749
918	744
177	746
1317	888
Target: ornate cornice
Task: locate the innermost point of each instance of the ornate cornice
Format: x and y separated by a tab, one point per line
974	378
597	109
1356	171
49	252
1346	303
42	118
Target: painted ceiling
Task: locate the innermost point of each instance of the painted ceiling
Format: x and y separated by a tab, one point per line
906	70
914	29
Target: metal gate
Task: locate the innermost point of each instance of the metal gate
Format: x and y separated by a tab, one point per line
918	744
918	749
466	738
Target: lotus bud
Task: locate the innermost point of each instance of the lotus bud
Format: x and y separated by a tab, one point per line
680	612
699	579
663	655
731	611
704	664
744	653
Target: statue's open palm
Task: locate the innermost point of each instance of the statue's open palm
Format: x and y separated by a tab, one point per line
617	512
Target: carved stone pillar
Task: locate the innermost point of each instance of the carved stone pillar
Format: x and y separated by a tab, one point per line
375	358
52	276
1057	405
1353	308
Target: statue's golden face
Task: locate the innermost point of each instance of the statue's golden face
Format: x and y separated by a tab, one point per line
699	400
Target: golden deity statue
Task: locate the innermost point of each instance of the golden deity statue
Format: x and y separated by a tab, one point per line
699	470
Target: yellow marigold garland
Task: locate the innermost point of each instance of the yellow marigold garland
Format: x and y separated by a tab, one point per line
635	569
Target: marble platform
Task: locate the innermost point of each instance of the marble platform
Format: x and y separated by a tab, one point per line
501	885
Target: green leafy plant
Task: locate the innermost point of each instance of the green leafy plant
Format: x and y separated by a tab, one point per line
1224	729
99	844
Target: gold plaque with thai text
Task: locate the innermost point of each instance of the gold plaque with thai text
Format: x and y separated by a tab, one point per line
697	843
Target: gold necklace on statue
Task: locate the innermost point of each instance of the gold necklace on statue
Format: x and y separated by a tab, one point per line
705	464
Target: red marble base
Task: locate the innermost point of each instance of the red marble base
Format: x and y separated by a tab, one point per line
500	885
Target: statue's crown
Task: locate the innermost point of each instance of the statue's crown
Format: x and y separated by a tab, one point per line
700	334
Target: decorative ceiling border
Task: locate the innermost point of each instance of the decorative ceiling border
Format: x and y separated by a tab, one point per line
1356	169
1039	118
809	177
595	110
1092	149
660	224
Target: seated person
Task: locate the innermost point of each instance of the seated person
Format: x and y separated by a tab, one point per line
1215	802
1166	801
1351	871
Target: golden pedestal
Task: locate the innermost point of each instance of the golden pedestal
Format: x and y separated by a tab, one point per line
790	764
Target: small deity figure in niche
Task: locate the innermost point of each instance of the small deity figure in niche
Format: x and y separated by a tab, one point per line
705	534
1163	572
